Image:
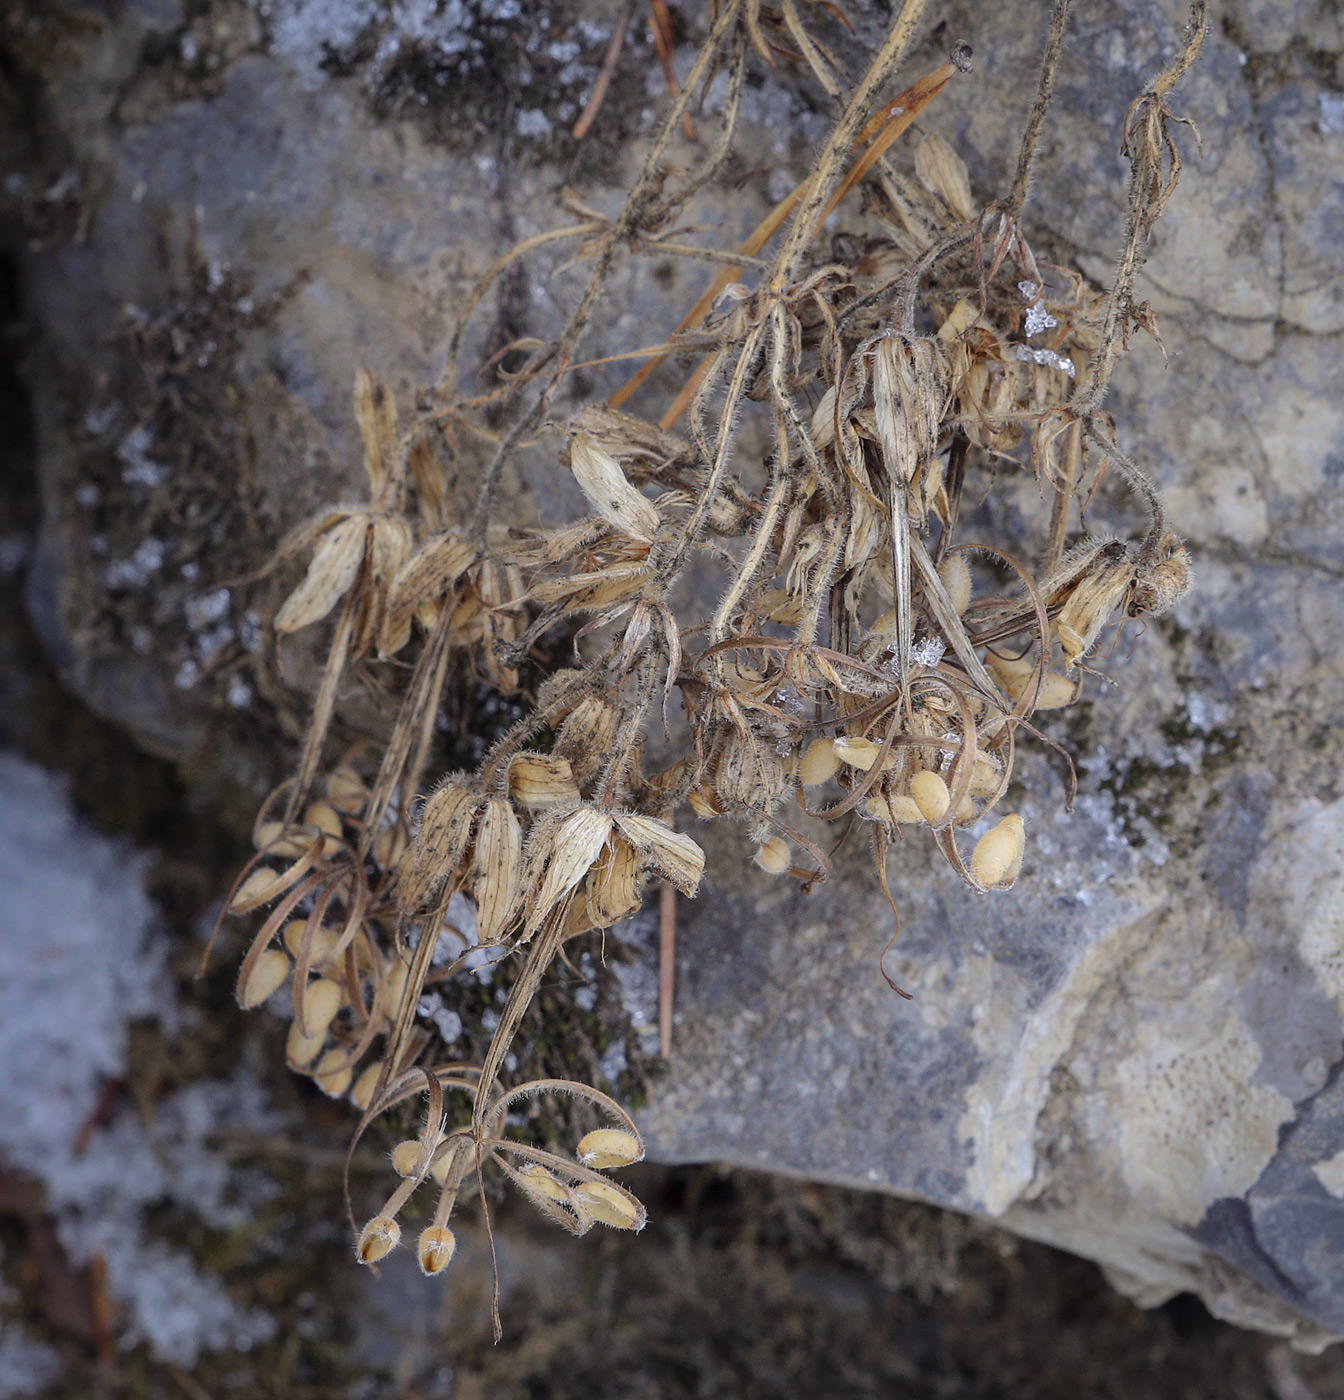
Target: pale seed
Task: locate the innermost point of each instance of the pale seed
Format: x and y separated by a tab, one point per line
436	1248
267	975
609	1147
378	1238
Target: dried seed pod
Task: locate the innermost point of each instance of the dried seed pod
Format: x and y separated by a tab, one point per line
536	1180
324	940
891	807
436	1248
377	1239
704	802
270	839
346	791
258	888
301	1050
586	736
943	172
773	856
267	975
909	388
609	1147
541	780
750	775
436	855
421	583
858	753
1090	582
1014	674
1159	587
610	1205
332	1073
335	563
998	853
376	414
820	763
931	796
324	817
986	776
609	493
673	855
390	845
497	866
361	1095
955	574
321	1002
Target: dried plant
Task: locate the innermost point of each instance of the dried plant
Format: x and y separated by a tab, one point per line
853	667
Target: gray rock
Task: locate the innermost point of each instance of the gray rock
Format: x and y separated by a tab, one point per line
1136	1054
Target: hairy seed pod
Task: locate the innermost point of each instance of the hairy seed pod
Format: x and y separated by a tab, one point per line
258	888
858	753
1159	587
955	574
819	764
377	1239
586	736
749	774
609	1147
445	830
497	866
931	795
301	1050
774	856
267	975
333	1073
436	1248
609	1205
536	1180
541	780
405	1155
362	1093
321	1002
998	853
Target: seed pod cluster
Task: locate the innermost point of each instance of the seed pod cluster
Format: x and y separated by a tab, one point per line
768	586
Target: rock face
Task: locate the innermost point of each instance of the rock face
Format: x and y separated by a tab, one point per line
1136	1055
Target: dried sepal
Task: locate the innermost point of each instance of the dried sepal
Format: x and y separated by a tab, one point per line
570	847
671	853
943	172
438	850
376	414
542	780
497	868
335	563
603	482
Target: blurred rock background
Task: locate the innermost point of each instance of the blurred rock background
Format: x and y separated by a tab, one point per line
214	212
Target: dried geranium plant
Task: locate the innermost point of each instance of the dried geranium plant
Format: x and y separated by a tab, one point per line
848	670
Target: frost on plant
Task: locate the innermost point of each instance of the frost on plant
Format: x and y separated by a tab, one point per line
860	666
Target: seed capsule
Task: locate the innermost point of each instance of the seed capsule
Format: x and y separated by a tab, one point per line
931	795
537	1181
436	1248
321	1002
891	807
609	1147
269	840
378	1238
610	1206
956	576
333	1073
858	753
820	762
301	1050
255	890
773	856
998	854
268	975
327	820
324	940
362	1094
346	791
